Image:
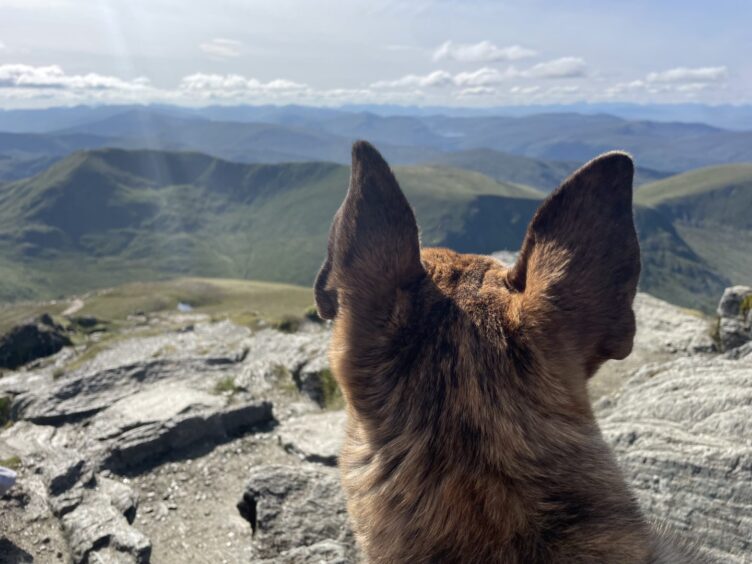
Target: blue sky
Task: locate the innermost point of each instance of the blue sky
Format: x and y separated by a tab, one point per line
426	52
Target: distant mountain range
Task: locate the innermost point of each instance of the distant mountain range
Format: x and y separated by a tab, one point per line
272	134
102	217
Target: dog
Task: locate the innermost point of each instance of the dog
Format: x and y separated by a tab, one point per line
470	437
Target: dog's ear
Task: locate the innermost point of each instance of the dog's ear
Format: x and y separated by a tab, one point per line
373	242
577	272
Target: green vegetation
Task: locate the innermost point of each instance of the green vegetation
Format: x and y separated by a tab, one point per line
695	183
543	175
288	324
709	209
226	385
13	462
104	218
109	217
332	395
746	306
312	314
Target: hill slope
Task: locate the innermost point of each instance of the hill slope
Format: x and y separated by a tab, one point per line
104	217
710	209
101	218
544	175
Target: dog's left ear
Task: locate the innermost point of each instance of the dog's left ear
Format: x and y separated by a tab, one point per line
373	242
577	273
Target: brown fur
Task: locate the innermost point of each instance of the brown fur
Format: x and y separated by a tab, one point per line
470	437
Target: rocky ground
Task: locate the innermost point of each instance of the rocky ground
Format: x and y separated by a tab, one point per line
189	440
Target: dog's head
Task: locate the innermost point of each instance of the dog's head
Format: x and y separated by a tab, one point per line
411	321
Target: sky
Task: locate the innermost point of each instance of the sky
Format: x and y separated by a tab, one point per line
411	52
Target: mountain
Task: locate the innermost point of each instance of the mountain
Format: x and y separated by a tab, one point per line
250	142
299	133
577	137
544	175
710	209
100	218
726	116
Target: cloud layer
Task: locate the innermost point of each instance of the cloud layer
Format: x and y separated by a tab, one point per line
560	80
221	47
482	52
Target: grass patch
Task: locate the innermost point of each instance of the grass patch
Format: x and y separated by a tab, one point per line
312	314
746	306
288	324
12	462
226	385
333	398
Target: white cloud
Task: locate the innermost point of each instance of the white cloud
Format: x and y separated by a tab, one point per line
476	91
482	77
524	89
221	47
236	86
53	77
2	45
483	52
565	67
433	79
692	75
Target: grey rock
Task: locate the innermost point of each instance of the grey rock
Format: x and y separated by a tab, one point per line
324	552
95	513
733	332
29	341
308	377
161	420
731	301
293	507
735	322
664	332
682	432
315	437
97	527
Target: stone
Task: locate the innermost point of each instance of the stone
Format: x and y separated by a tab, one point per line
293	507
682	433
731	301
327	551
315	437
735	321
30	341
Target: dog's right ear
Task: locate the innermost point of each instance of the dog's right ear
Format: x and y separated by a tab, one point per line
373	243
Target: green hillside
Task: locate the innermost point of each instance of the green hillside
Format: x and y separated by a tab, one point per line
544	175
104	218
710	209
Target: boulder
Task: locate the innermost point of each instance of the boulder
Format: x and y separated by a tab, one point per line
29	341
315	437
292	510
95	513
735	321
682	432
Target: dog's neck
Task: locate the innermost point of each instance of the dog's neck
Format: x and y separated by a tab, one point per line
532	475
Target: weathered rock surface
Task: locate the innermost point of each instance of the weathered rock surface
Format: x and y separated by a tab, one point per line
293	510
95	513
29	341
682	432
315	437
735	322
664	332
148	443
